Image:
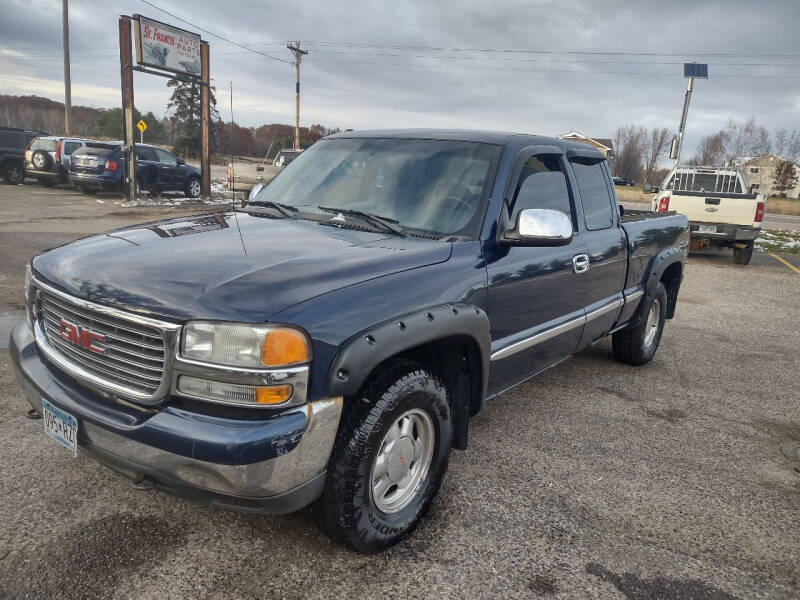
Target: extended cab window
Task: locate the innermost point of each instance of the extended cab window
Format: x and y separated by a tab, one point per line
145	153
596	200
542	184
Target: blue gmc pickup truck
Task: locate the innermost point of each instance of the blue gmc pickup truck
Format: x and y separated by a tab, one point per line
329	342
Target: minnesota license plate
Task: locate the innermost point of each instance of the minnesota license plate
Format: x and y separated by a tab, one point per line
61	426
707	228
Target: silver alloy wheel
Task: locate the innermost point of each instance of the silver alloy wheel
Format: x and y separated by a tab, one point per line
653	319
194	188
403	461
38	160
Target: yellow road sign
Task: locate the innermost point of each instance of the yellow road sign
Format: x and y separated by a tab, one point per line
141	125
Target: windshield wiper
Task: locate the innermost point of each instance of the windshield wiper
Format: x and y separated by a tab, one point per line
384	223
281	208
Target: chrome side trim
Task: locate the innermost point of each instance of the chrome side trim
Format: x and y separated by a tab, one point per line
599	312
537	338
549	334
633	296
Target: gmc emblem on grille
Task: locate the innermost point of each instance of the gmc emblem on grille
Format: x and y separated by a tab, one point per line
81	337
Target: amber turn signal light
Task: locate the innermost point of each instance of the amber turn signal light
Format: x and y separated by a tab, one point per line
276	394
284	347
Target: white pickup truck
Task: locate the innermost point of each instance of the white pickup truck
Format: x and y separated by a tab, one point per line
244	175
721	212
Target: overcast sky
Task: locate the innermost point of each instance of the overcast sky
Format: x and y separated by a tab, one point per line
625	66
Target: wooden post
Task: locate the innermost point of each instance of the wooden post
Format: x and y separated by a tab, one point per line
205	122
129	138
67	84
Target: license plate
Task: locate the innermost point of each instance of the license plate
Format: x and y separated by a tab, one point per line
707	228
61	426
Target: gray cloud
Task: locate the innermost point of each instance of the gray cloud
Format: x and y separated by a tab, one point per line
366	87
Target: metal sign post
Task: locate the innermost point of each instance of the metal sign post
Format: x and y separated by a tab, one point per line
691	71
173	53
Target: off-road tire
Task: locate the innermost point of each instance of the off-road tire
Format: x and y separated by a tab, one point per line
742	256
631	345
13	172
346	511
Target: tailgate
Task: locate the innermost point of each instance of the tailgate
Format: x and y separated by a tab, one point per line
250	174
716	208
88	164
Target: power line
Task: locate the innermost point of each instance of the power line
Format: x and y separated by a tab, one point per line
526	51
216	35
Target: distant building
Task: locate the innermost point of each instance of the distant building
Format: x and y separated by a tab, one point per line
759	174
604	145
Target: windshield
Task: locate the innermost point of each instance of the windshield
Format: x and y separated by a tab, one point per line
433	186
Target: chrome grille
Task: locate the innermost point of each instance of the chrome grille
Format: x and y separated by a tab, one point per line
132	353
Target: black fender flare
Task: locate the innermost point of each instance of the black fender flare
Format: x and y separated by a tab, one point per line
363	352
658	265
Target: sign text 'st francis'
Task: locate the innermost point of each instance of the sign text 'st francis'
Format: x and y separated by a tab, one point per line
166	47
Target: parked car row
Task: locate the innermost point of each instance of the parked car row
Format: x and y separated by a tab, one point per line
90	165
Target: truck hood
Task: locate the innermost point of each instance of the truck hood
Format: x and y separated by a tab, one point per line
231	266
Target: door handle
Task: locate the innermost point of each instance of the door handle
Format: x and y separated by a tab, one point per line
580	263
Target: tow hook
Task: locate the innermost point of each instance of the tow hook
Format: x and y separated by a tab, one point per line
143	483
33	414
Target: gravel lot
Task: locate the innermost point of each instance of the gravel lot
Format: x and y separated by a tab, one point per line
680	479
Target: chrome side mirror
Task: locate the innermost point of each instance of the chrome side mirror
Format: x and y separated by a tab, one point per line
254	192
540	227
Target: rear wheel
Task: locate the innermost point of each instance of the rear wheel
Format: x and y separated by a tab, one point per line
389	459
742	256
638	344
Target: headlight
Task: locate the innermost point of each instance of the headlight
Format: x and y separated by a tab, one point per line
242	345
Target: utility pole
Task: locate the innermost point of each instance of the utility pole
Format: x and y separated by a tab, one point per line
205	122
67	83
126	75
298	56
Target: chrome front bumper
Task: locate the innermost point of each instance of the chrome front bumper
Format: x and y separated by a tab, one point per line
276	465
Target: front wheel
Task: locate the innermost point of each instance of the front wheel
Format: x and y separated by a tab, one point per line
14	174
193	188
742	256
389	459
638	344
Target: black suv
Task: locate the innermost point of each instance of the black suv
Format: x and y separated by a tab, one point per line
100	166
13	143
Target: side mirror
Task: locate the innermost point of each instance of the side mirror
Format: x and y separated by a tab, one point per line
540	227
647	187
181	162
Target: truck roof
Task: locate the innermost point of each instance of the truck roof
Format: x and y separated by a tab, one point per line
500	138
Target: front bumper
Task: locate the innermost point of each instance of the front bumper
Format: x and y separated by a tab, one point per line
724	233
274	465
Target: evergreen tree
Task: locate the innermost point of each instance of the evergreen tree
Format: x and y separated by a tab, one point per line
785	178
185	103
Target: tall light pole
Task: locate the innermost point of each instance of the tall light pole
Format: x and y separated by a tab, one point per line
298	56
67	83
690	71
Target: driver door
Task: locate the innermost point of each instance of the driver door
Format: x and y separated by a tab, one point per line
536	293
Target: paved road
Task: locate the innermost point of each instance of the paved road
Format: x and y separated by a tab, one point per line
597	480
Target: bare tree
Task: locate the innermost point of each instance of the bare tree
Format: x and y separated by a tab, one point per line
787	144
654	147
628	151
711	150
